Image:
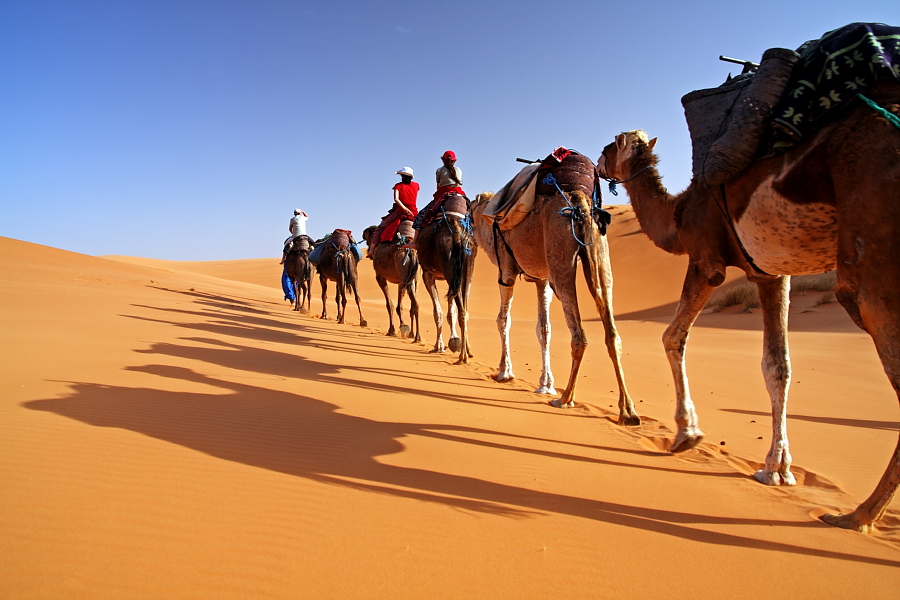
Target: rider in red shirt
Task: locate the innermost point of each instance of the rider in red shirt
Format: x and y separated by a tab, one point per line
405	194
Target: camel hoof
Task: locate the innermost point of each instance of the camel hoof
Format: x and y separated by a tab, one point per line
848	522
391	333
437	351
629	420
546	389
774	477
455	344
685	441
558	403
363	323
503	378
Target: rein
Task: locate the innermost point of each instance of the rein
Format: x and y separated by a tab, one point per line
613	182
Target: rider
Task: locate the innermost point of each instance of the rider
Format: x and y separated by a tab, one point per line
449	179
405	194
297	227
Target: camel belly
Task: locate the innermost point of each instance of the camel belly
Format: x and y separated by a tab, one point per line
785	238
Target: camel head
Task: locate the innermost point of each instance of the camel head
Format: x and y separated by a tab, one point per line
482	198
367	233
631	151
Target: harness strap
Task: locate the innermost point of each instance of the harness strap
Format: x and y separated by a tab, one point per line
723	206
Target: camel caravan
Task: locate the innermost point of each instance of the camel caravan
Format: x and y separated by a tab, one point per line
796	170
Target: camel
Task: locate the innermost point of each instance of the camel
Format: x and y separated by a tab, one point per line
446	250
299	271
544	248
829	202
398	266
338	263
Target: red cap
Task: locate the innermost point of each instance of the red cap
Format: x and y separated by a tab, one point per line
449	154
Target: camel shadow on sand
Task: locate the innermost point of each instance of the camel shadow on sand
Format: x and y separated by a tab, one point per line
307	437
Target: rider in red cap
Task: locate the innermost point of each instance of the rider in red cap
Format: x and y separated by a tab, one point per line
449	179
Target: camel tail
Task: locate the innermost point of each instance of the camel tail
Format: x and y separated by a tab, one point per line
589	234
412	268
346	266
458	271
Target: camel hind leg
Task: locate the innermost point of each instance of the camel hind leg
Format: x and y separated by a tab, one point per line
431	287
562	279
868	280
323	281
598	274
382	283
542	329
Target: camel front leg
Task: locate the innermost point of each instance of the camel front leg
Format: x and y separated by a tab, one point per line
694	295
776	367
431	287
602	292
544	298
505	369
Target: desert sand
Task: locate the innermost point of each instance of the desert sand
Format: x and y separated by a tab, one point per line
175	430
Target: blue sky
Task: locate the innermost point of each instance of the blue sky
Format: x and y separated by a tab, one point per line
191	129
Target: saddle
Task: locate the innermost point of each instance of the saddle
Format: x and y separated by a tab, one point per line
571	170
403	228
300	243
451	204
789	95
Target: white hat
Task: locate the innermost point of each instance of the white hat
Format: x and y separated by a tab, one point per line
405	171
297	211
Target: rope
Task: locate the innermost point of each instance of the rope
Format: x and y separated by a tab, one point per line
573	213
613	182
891	117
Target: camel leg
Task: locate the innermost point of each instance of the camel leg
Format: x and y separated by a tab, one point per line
324	282
296	283
460	307
776	366
355	288
414	313
455	342
694	295
600	284
563	281
544	297
431	286
868	277
382	283
505	369
401	294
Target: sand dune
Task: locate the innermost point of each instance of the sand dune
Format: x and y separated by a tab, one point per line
173	429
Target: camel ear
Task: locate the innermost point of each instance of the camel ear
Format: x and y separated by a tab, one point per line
620	141
652	143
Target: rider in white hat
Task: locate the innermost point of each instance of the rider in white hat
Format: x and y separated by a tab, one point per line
297	227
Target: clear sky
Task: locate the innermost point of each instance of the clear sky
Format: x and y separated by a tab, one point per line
191	129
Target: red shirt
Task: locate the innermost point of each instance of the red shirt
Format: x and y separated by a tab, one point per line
408	192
